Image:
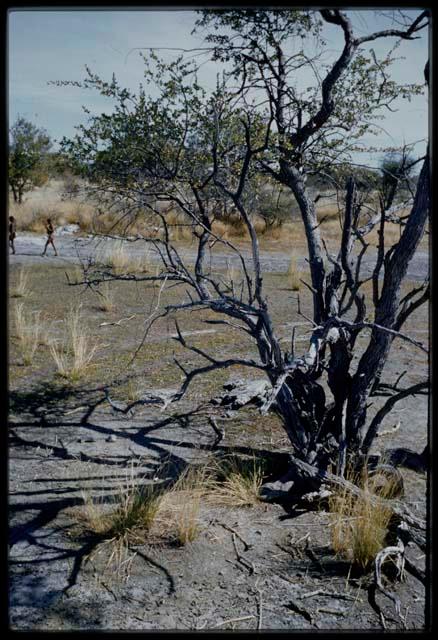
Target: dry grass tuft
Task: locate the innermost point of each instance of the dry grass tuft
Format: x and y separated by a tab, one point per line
294	274
179	509
73	357
134	390
75	274
21	290
106	299
360	524
115	257
237	482
27	330
129	519
120	262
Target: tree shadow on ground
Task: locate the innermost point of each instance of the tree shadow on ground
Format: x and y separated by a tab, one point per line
51	397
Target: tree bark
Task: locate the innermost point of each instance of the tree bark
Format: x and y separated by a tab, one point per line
371	364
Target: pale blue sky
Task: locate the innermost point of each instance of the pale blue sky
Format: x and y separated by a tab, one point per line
57	44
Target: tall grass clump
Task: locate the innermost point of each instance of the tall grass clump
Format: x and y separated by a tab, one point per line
128	518
359	523
115	526
180	506
106	299
120	262
293	274
27	331
74	355
116	258
21	290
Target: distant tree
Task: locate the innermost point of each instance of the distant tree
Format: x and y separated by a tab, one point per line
396	173
28	149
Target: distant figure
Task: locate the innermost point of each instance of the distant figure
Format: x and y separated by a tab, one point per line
50	231
12	232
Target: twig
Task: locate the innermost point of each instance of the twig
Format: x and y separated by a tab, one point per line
297	609
296	542
109	590
225	526
220	624
284	577
242	560
259	622
68	413
397	551
329	594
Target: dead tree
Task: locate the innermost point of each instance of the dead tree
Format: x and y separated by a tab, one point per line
194	150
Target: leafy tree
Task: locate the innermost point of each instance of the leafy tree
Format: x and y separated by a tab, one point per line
28	149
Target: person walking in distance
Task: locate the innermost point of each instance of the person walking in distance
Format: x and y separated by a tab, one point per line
12	232
50	232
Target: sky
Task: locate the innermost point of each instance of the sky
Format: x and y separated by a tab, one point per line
52	45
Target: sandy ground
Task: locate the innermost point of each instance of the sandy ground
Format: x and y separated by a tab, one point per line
76	248
283	575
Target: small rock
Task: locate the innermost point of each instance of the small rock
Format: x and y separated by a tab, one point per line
111	439
271	491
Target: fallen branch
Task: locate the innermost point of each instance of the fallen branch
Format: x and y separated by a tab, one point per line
118	323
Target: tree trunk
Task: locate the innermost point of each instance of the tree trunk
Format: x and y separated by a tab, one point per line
372	362
294	180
